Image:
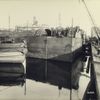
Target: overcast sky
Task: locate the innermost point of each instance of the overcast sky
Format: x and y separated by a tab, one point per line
21	12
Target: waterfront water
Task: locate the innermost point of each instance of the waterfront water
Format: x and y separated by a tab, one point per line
39	89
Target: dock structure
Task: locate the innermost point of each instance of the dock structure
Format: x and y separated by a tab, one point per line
96	70
91	92
93	89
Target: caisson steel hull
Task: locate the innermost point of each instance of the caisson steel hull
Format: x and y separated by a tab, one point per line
54	51
64	49
55	55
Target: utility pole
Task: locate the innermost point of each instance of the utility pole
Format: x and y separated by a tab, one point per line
59	19
72	22
9	23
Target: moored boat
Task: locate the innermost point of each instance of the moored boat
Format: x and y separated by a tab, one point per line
12	57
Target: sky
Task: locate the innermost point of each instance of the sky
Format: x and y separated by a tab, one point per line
21	12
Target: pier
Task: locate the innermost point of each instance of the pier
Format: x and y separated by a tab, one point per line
93	89
96	70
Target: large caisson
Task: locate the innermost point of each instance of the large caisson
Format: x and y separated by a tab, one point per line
59	51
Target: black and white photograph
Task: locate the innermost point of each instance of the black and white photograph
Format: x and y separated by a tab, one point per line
49	49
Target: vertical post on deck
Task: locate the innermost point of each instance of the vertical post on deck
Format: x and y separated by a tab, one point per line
9	23
72	22
71	84
46	59
24	63
71	68
25	86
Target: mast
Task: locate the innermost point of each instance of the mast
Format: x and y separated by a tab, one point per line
9	23
59	19
72	22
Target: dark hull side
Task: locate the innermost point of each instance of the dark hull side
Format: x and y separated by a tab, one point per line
11	73
59	73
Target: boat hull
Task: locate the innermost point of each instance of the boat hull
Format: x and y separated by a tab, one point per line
59	49
55	72
12	73
12	62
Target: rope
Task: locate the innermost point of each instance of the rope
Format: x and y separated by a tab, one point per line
91	18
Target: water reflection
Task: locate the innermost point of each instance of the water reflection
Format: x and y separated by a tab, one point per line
11	74
61	74
58	75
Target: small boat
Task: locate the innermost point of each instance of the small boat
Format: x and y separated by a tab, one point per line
12	57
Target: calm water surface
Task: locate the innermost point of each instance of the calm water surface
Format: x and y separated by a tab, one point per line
39	89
